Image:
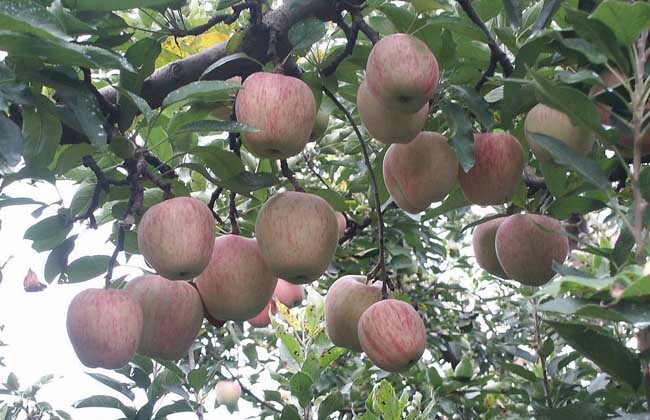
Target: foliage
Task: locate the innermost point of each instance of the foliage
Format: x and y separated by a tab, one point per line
495	349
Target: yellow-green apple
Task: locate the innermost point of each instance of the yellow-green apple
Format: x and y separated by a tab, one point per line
402	72
392	335
386	125
297	234
320	125
527	245
282	108
237	284
484	248
421	172
104	327
176	237
498	165
228	393
542	119
172	316
626	140
345	301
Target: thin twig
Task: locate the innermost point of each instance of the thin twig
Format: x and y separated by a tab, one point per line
119	247
248	392
379	271
288	173
166	171
312	168
213	201
497	52
542	358
168	188
233	214
489	72
214	20
108	109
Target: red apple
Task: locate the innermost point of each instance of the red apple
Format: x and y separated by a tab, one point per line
343	223
289	294
237	284
104	327
283	108
484	248
403	72
346	300
421	172
173	314
263	319
176	237
542	119
498	165
386	125
392	335
297	234
527	245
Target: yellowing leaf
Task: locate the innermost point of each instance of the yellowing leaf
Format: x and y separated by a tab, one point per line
210	38
287	316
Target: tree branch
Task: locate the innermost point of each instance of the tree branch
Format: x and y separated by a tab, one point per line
215	20
288	173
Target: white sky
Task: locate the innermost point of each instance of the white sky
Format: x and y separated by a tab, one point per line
35	330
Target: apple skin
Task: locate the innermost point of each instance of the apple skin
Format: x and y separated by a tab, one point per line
343	223
173	314
263	319
421	172
626	140
176	237
386	125
402	72
228	393
104	327
545	120
297	234
320	125
499	163
237	284
392	335
484	248
289	294
283	108
346	300
526	251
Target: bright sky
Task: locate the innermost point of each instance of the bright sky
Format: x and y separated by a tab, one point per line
35	330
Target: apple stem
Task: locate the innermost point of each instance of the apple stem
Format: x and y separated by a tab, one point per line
379	271
232	215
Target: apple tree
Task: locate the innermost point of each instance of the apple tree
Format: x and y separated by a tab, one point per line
340	208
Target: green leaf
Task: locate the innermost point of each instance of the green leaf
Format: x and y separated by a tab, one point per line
520	371
332	197
289	412
586	411
42	133
386	402
455	200
474	102
57	261
461	139
107	6
55	51
180	406
212	91
246	182
331	404
306	33
302	388
589	170
11	144
118	386
564	207
197	378
224	164
465	369
48	233
547	347
601	348
219	126
627	20
29	16
231	58
105	401
331	355
87	267
546	15
139	103
632	313
12	382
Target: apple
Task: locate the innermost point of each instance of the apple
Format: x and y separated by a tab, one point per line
402	72
484	248
104	327
228	393
498	165
176	237
542	119
237	284
282	108
343	223
386	125
289	294
173	314
392	335
420	172
346	300
320	125
527	245
263	319
626	140
297	235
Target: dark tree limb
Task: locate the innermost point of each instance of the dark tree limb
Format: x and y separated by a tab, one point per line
108	109
288	173
119	247
497	52
363	26
213	201
354	229
223	18
166	171
233	214
168	188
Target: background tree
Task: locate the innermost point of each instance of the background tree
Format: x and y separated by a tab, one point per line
133	101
